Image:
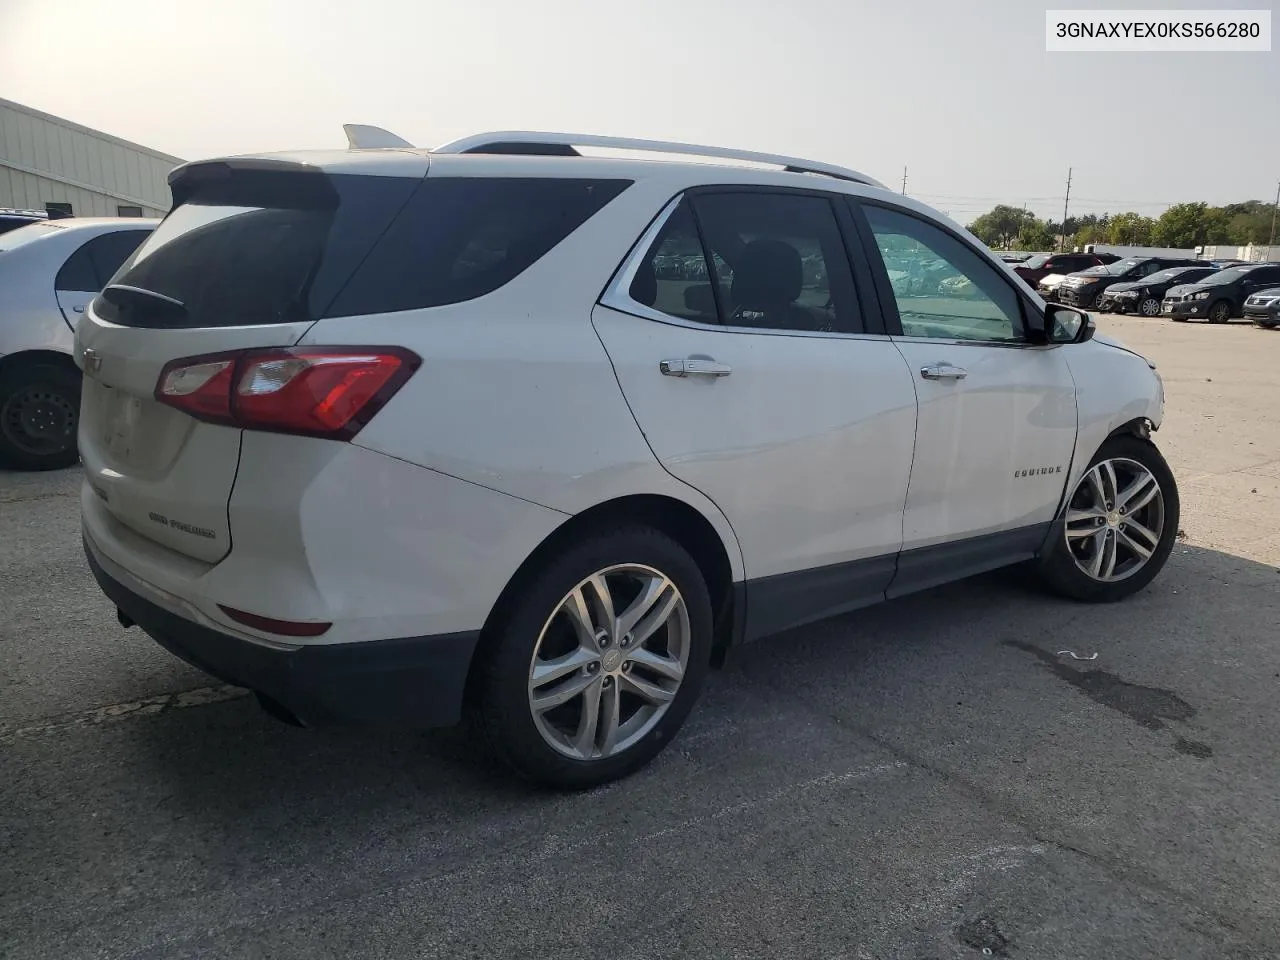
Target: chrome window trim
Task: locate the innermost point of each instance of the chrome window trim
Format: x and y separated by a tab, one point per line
617	295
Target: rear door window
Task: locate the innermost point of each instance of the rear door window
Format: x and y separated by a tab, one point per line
779	261
673	278
90	268
77	273
109	251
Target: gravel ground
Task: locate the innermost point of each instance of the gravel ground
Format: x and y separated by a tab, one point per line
926	779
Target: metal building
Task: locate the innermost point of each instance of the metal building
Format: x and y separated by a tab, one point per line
47	163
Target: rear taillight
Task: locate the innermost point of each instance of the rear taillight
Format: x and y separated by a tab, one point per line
314	391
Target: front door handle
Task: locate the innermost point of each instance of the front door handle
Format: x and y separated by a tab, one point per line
943	371
694	368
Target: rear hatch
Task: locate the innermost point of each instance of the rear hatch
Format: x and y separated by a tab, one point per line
252	253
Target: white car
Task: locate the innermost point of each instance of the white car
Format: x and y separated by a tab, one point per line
383	434
49	271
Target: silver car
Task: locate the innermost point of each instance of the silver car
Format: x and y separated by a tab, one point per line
49	271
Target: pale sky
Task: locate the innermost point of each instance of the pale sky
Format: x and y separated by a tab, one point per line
960	91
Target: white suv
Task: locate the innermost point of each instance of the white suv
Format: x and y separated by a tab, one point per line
386	433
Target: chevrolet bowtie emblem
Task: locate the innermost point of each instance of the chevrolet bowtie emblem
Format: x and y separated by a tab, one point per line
92	360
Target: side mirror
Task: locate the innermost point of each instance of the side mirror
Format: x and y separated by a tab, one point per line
1067	325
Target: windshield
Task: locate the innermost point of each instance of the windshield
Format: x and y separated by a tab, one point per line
1119	267
1229	275
1168	276
24	235
1036	262
1100	271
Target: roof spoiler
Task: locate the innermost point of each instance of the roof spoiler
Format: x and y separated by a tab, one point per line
362	136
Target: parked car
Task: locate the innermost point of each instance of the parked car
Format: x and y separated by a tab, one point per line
1220	296
1082	289
1043	264
1263	307
12	219
325	463
1048	287
1144	296
49	271
1014	256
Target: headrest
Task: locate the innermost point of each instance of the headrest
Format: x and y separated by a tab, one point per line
768	274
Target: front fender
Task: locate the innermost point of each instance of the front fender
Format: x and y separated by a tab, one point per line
1116	390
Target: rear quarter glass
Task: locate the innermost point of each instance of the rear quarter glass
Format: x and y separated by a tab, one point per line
460	238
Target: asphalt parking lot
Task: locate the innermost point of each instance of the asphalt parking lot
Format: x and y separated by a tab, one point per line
927	779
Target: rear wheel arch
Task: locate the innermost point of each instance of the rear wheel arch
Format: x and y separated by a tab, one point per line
683	523
26	359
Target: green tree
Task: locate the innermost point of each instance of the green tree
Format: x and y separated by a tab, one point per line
1036	235
1130	229
1090	233
1183	225
1001	226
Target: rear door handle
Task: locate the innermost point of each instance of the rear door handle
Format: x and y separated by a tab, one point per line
694	368
943	371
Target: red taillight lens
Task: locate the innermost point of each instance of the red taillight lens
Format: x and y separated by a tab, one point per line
314	391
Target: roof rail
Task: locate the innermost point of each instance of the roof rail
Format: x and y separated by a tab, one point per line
562	144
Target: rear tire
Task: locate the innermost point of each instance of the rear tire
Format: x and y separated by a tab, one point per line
1110	521
618	697
39	416
1220	312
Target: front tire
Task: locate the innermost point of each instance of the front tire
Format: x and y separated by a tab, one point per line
1220	312
1119	525
1150	307
39	416
596	665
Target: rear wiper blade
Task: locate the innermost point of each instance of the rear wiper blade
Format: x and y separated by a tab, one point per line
118	288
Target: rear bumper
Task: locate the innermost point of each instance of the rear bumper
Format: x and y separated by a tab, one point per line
407	682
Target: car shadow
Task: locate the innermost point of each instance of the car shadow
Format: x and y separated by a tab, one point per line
225	760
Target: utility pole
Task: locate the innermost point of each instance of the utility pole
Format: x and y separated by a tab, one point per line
1272	241
904	181
1063	241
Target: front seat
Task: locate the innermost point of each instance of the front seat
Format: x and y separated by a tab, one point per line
767	279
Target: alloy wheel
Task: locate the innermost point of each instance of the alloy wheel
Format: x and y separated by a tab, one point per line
609	661
38	421
1115	519
1150	307
1220	312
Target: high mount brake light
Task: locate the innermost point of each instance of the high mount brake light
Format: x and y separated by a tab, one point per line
311	391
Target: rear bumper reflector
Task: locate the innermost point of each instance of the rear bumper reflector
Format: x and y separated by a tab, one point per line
283	628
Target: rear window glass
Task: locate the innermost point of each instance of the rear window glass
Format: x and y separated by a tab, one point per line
252	248
461	238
